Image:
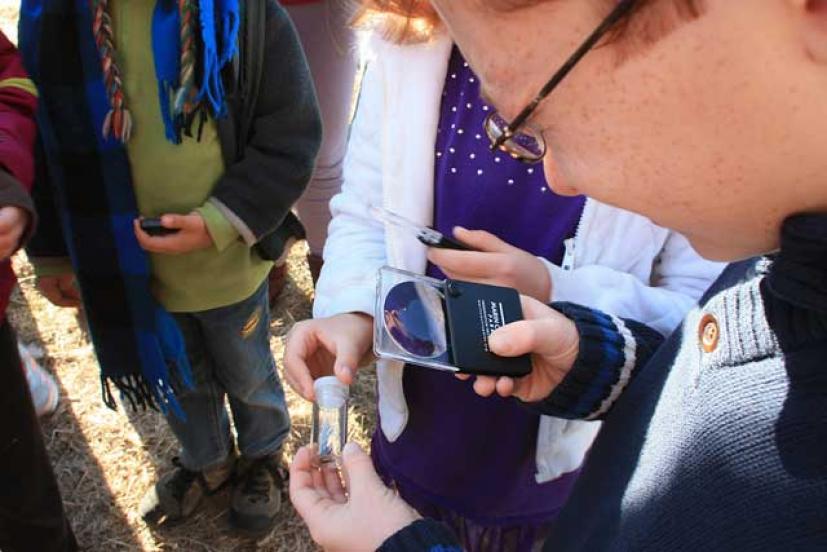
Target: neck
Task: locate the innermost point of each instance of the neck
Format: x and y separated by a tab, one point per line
799	274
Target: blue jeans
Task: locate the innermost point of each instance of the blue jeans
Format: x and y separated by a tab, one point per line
229	349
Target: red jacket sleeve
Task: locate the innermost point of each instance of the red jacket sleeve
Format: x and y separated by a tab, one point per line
18	101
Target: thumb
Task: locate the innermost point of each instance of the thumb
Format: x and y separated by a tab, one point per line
175	221
544	336
480	240
359	471
347	361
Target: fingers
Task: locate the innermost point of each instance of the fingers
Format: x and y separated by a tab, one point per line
169	245
554	339
533	309
517	338
480	240
297	350
359	471
347	361
11	217
506	387
484	386
8	245
309	501
60	291
333	484
48	287
542	332
13	222
466	265
69	289
181	222
146	241
319	482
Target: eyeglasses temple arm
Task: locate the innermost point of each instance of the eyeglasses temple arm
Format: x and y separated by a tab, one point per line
619	12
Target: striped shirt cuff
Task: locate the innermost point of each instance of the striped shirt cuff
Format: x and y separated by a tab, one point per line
611	351
422	536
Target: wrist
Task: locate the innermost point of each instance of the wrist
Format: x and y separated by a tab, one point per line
360	317
402	518
570	347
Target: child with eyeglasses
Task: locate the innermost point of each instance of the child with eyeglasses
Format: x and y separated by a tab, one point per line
710	119
495	472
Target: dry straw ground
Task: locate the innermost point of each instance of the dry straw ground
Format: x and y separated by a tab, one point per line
105	461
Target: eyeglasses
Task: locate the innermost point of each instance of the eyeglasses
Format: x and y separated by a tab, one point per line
522	142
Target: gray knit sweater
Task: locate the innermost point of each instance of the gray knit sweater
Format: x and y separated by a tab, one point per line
718	442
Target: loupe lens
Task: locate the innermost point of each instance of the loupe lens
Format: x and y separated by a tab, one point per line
415	319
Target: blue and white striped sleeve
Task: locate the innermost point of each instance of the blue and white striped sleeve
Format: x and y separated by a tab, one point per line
424	535
612	350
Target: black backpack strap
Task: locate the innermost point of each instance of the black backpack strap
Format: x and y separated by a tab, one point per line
243	81
250	66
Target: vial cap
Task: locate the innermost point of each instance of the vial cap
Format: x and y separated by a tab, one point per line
330	392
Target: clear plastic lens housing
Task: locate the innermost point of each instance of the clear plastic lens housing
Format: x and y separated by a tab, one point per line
415	319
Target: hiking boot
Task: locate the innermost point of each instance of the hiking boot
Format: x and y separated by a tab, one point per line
176	495
257	496
276	281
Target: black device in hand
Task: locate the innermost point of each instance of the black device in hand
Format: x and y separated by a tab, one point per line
153	227
425	234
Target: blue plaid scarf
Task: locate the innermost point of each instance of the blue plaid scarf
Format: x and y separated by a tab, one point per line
139	346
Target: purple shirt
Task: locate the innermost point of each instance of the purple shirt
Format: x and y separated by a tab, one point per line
459	451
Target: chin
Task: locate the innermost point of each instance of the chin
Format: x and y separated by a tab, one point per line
726	252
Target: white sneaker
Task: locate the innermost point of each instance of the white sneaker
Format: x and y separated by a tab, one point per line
42	385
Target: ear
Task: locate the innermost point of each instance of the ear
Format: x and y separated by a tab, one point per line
813	15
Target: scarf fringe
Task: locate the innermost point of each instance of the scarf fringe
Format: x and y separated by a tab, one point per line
141	396
133	388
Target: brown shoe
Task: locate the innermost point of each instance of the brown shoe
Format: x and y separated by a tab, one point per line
257	496
176	495
315	264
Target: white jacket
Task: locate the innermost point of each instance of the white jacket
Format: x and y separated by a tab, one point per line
618	262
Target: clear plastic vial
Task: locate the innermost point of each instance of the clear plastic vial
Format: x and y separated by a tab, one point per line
329	432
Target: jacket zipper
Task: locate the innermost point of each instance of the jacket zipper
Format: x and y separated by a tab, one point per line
570	245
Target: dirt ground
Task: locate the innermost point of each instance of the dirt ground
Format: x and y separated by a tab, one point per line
105	460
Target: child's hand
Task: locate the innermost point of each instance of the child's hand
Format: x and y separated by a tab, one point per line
324	347
553	342
60	290
192	235
13	222
493	262
360	515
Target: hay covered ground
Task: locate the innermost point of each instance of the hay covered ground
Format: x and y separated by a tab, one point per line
105	461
